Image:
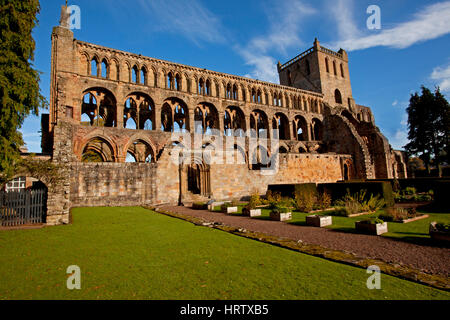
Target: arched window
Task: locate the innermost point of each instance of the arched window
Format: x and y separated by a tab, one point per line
342	71
229	93
143	76
317	130
130	124
338	96
100	106
326	65
201	87
281	123
169	83
260	158
94	67
334	68
104	69
208	87
148	125
130	158
234	122
135	75
308	67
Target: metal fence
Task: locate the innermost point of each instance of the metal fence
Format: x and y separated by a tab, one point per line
22	207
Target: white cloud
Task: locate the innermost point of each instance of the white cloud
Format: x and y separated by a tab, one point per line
442	74
429	23
284	19
395	103
342	10
188	18
399	139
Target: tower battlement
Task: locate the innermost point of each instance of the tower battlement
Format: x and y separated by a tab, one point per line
321	70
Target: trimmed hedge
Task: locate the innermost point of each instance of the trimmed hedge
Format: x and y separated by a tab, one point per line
339	190
199	206
421	184
289	190
442	196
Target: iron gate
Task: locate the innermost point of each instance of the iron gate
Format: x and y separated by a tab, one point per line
22	207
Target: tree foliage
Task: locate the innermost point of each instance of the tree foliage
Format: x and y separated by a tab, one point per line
428	124
19	81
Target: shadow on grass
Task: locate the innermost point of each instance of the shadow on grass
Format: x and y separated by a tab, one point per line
421	241
346	230
298	223
266	218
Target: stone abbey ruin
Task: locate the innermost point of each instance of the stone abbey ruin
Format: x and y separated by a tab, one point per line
108	106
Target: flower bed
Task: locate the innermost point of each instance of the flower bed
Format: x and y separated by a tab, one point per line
281	214
402	215
372	226
440	231
251	212
319	221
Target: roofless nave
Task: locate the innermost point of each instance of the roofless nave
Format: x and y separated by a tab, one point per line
107	106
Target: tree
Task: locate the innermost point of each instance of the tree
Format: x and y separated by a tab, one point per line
428	119
415	164
19	82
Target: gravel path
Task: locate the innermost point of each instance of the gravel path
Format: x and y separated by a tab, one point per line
429	259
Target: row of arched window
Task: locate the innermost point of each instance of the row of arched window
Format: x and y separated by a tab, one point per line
99	109
109	69
102	149
335	71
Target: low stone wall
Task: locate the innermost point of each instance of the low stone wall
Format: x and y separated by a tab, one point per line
112	184
134	184
235	181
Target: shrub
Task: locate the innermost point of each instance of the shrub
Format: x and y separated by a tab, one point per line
396	186
340	212
273	197
381	188
324	201
358	202
199	206
373	221
443	227
255	199
280	209
410	191
375	203
398	214
254	202
304	201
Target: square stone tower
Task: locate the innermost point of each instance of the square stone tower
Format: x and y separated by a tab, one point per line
322	70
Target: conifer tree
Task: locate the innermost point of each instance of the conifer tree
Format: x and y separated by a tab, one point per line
19	81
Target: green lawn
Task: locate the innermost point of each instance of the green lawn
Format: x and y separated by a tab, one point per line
133	253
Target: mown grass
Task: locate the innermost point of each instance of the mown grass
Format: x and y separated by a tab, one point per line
134	253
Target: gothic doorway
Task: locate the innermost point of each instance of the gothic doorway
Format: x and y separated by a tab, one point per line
195	180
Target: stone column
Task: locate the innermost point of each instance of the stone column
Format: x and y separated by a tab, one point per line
157	122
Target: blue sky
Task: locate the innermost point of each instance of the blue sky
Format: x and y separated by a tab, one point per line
248	38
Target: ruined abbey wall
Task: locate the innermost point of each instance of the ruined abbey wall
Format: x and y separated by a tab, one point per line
109	107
